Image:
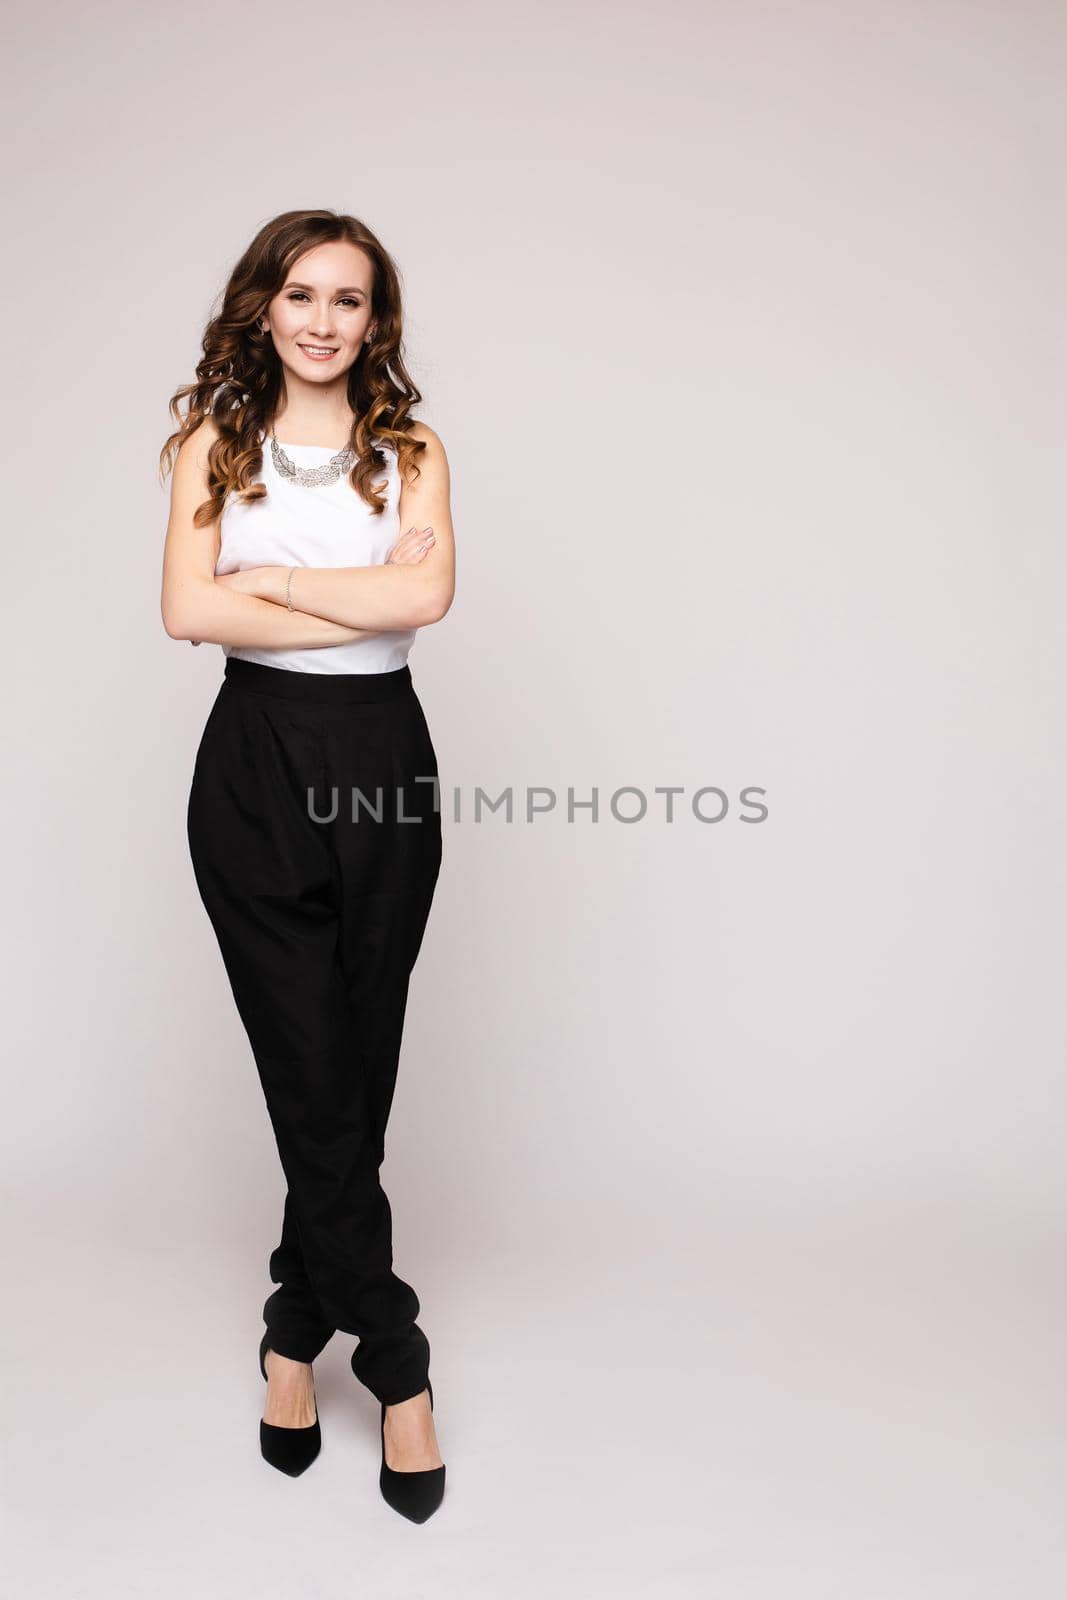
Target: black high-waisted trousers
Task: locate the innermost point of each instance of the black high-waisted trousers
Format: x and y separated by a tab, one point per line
319	919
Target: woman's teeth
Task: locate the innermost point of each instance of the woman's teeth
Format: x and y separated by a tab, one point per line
318	352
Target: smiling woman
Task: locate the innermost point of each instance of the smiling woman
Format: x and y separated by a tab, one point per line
295	469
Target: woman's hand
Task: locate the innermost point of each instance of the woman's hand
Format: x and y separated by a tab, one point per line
410	547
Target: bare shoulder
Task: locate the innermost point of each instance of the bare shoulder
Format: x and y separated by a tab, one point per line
191	460
432	461
423	431
435	450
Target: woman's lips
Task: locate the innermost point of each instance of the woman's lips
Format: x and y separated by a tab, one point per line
317	353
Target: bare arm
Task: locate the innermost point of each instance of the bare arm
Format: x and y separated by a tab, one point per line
196	607
386	596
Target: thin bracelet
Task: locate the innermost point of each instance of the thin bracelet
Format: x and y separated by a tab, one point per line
288	581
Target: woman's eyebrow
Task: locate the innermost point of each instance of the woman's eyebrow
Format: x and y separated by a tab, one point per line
355	289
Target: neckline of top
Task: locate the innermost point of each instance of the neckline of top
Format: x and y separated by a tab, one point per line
333	450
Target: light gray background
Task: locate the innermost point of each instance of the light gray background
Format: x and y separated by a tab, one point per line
727	1160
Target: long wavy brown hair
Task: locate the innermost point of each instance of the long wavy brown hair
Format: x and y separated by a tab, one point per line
239	378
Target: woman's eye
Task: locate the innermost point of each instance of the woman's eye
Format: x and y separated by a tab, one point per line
298	294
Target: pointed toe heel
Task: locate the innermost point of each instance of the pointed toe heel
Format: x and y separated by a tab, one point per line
416	1495
291	1450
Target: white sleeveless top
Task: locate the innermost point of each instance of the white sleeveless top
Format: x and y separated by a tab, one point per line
331	526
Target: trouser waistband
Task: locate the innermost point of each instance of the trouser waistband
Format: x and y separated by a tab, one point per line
325	687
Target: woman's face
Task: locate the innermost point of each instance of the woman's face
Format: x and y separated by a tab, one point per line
324	304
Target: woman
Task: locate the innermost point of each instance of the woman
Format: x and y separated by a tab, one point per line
313	819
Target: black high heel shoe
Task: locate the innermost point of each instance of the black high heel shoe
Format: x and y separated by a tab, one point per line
416	1495
288	1449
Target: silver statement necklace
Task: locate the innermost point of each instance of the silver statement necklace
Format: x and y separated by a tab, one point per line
311	477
